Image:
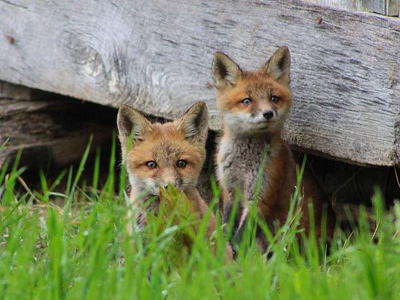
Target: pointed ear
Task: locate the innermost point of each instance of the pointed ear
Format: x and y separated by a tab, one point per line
194	123
278	66
129	120
225	71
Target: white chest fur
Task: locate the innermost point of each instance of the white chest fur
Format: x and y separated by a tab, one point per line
239	162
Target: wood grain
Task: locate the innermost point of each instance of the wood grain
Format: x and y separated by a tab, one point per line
52	131
383	7
376	6
392	8
156	56
353	5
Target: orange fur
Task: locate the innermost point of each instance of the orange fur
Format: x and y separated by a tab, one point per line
159	145
165	146
252	125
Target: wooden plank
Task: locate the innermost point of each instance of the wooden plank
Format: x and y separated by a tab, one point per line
383	7
376	6
392	8
51	131
156	56
353	5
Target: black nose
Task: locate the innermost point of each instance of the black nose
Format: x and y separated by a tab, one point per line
268	114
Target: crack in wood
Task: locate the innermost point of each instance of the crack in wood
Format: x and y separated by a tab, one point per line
14	4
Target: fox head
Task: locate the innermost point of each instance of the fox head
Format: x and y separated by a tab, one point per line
158	155
257	101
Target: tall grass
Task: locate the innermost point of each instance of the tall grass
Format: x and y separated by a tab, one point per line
83	251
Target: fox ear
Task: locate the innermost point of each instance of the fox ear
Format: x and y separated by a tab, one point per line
194	123
278	66
131	125
225	71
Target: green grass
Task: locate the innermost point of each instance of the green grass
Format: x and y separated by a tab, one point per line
82	251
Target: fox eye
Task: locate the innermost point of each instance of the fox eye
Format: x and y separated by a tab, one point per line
151	164
247	101
274	99
181	163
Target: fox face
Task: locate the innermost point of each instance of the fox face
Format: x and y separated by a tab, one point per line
158	155
253	102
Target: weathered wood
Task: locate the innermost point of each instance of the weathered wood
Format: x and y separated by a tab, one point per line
352	5
156	56
50	131
392	7
15	92
376	6
383	7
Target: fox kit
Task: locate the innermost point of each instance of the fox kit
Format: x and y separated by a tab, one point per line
255	106
165	154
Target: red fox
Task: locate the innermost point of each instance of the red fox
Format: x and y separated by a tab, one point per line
255	105
165	154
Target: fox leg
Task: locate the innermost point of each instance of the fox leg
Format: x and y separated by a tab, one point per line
242	219
228	204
